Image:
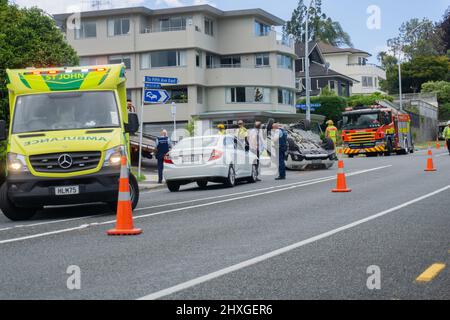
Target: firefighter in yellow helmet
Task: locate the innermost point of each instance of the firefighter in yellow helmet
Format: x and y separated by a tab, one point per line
331	131
221	128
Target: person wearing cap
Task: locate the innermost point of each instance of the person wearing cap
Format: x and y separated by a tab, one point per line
221	128
242	133
446	136
331	132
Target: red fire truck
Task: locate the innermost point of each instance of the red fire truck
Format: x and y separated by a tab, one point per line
376	130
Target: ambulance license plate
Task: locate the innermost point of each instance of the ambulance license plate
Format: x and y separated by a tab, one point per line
65	191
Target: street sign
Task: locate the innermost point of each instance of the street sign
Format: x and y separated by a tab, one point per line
156	96
314	106
161	80
152	86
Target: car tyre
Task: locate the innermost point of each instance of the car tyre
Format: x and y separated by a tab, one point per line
173	186
230	181
254	177
10	210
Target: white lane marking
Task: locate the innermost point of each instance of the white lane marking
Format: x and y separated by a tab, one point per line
442	155
39	235
250	262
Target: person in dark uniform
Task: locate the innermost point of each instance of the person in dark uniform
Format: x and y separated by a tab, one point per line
281	137
162	148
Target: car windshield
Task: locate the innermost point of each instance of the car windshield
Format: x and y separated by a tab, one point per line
65	111
194	143
361	121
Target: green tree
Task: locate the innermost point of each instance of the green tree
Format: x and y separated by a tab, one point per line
442	88
444	26
417	71
331	106
321	27
29	38
368	100
417	38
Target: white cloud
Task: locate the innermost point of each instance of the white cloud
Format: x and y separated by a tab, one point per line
169	3
200	2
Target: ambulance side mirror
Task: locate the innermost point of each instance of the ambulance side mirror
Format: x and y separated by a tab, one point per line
3	135
133	123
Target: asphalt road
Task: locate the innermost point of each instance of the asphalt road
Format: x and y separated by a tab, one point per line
271	240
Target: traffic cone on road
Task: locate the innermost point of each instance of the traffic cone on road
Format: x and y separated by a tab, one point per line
438	145
430	164
341	185
124	223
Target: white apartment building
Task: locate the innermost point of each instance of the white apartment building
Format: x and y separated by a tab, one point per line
354	64
230	64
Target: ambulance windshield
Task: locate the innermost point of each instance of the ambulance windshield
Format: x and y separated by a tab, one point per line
65	111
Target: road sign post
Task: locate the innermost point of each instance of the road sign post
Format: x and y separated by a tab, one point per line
152	93
174	115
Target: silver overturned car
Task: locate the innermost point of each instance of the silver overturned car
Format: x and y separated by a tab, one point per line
307	151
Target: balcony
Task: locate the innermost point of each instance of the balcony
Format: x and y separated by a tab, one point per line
369	69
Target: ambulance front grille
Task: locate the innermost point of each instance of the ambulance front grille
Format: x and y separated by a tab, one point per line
65	162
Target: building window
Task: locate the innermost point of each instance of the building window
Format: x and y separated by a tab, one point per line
367	82
198	58
178	95
300	65
284	61
200	95
120	59
230	62
261	29
118	27
285	97
172	24
262	60
209	27
248	95
161	59
88	61
88	29
362	61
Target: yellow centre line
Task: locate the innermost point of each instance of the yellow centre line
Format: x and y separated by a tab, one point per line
431	273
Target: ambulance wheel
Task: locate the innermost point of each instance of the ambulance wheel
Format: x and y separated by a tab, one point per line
10	210
134	194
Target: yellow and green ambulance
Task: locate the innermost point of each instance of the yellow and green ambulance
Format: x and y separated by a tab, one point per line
68	130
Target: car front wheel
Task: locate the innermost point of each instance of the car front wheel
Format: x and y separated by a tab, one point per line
230	181
254	177
173	186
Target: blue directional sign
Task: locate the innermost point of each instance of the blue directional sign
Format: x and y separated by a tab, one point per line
156	96
161	80
152	86
314	106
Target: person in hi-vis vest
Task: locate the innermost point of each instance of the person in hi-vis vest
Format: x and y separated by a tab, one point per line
331	132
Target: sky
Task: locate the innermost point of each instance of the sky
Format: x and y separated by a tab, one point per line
352	14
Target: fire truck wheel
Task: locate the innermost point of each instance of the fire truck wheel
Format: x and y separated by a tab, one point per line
351	156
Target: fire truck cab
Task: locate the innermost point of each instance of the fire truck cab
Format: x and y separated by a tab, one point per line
376	130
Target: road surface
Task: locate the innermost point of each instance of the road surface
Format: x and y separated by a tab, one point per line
271	240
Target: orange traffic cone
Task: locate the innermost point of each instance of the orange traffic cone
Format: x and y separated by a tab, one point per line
430	164
341	185
124	224
438	145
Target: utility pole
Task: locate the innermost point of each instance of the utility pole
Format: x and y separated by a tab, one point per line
307	78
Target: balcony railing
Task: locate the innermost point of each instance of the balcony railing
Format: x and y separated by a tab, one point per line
364	65
236	66
167	29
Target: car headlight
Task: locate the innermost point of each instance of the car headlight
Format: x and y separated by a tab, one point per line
113	156
17	163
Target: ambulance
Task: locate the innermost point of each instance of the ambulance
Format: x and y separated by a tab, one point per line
69	128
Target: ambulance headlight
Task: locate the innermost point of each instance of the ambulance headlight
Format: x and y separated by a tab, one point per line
17	162
114	156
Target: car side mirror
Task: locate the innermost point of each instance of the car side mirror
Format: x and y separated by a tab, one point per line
3	135
133	123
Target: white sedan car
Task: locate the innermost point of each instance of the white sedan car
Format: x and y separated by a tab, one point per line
221	159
